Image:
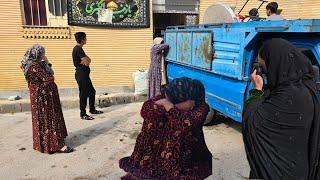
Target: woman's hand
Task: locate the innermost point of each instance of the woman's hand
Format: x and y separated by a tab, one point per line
165	103
186	105
44	58
158	94
257	80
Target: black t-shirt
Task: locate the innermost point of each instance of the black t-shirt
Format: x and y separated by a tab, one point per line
77	54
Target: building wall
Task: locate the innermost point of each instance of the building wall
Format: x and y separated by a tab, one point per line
293	9
115	53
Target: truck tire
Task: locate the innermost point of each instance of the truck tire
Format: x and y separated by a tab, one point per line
212	115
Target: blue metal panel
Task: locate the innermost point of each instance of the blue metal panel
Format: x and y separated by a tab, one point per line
194	48
312	43
227	55
171	39
228	52
202	52
227	47
184	47
235	47
226	35
226	68
306	25
223	94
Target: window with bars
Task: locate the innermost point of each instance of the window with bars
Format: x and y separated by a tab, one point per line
45	12
58	7
35	12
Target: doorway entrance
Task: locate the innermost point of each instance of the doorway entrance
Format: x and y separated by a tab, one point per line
173	13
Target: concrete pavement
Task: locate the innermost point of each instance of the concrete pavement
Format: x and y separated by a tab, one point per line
100	144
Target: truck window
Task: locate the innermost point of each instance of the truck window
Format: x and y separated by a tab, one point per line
310	55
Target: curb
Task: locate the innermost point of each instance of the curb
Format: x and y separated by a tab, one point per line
102	101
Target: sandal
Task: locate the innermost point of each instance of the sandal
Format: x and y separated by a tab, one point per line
67	150
87	117
96	112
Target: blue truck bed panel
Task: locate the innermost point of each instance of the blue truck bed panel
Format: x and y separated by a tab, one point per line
305	25
220	55
224	95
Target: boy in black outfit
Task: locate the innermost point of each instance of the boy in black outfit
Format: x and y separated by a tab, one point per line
86	90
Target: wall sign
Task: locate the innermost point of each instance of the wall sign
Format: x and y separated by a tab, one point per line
109	13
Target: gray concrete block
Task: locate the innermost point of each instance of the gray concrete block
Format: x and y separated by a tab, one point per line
70	103
126	99
68	92
73	102
25	106
7	108
103	102
140	98
113	100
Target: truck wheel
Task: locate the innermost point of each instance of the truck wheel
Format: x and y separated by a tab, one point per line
212	115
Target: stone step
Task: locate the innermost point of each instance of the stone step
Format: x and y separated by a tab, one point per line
23	105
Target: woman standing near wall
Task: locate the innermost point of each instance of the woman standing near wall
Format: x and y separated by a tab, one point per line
156	69
49	129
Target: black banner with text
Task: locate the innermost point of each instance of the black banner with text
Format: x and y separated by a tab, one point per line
109	13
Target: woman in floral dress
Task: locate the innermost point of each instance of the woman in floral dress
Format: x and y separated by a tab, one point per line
171	143
49	129
157	67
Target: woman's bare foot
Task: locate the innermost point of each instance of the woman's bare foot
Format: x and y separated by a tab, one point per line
63	148
66	149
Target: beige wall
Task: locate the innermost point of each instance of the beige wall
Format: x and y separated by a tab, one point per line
293	9
115	53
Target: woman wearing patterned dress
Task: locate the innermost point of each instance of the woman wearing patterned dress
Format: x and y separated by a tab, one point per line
49	129
155	78
171	143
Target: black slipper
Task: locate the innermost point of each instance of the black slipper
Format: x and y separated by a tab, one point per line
96	112
87	117
67	150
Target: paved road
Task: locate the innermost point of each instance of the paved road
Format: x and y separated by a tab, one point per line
100	144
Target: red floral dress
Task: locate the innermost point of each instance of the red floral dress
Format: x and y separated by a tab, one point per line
49	129
170	145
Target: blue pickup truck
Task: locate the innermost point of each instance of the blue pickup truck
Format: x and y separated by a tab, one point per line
221	56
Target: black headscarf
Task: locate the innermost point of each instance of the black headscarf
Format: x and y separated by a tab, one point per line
198	94
183	89
285	63
281	131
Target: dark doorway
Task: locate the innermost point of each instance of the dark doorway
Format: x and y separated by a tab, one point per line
162	20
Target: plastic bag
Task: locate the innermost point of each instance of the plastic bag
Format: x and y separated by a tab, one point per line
140	79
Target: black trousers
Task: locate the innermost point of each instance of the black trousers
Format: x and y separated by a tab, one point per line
86	90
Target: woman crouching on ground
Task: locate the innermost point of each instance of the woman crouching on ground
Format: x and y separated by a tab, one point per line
171	143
